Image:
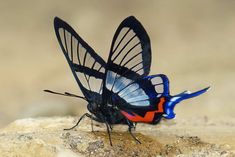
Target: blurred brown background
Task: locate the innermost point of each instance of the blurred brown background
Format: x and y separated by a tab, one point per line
193	42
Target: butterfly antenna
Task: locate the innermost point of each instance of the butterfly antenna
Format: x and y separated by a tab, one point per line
65	94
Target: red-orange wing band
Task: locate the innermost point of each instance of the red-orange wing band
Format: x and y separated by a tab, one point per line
149	116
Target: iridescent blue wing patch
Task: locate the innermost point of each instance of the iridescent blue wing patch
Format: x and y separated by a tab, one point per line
160	83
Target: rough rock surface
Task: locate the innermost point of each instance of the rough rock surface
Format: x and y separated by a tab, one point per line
45	137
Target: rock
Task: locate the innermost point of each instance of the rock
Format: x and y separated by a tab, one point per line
45	137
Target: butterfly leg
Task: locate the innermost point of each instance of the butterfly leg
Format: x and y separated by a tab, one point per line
111	127
108	127
131	125
92	128
108	130
85	115
135	124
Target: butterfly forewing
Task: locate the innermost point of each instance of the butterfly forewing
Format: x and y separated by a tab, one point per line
130	49
129	60
88	68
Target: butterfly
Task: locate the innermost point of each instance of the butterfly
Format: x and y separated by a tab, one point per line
119	91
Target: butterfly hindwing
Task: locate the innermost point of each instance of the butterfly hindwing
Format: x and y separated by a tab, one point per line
147	105
88	68
143	93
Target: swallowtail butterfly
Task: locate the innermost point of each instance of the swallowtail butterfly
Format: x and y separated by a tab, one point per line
119	91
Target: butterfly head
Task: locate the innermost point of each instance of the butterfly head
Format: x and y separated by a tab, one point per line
173	100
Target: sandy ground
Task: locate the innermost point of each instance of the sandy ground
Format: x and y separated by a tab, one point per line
192	43
45	137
